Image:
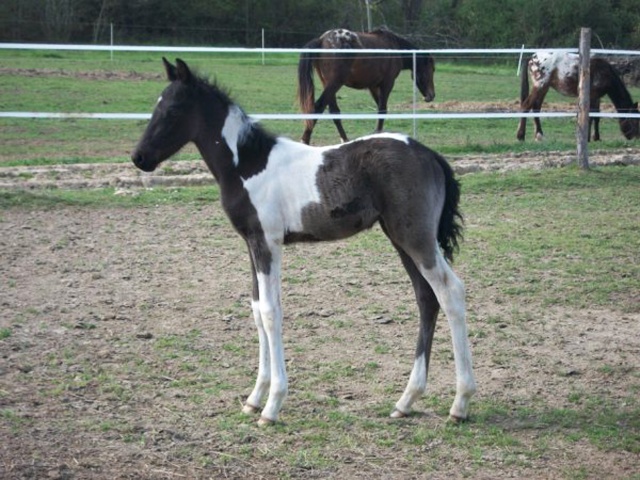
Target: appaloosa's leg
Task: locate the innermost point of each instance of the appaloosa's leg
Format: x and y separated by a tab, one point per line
525	107
522	128
428	307
537	107
263	381
270	311
449	291
532	103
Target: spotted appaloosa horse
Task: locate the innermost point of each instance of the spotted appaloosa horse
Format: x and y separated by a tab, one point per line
375	71
559	70
276	191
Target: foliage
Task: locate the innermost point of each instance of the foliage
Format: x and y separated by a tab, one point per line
434	23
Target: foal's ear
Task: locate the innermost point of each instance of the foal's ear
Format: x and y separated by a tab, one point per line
170	69
184	74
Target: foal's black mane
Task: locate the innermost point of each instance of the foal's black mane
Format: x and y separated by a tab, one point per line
211	86
255	143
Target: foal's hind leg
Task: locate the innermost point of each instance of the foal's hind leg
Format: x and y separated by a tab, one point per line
429	307
449	291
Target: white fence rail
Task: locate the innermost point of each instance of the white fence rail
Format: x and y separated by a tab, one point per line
258	116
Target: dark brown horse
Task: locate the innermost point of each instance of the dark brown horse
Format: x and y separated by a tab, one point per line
375	71
559	70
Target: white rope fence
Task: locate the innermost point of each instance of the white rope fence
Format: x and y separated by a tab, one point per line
354	116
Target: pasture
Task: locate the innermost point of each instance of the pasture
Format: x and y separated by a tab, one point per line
90	82
126	340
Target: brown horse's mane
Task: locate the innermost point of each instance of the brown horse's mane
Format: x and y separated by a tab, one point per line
401	42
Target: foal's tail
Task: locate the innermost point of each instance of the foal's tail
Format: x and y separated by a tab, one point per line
450	227
306	95
524	80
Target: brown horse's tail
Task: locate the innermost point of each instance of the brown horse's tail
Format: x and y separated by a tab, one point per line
524	80
306	89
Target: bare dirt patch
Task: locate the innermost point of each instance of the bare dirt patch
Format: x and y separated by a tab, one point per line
129	347
83	74
185	173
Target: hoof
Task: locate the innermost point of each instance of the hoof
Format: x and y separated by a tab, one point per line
266	422
457	420
249	409
398	414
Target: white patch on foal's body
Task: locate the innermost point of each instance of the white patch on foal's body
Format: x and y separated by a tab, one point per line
288	183
285	186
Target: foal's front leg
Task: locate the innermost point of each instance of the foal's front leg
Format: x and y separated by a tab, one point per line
263	381
268	314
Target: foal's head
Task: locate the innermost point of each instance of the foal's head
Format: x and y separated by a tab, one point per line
425	70
177	119
630	127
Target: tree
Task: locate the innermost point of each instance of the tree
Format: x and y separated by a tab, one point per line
59	16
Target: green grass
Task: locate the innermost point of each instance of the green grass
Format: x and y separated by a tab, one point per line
537	230
105	198
90	82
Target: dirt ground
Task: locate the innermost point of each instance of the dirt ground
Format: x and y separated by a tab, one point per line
96	382
122	176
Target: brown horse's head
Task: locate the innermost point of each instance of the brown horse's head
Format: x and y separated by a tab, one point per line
425	70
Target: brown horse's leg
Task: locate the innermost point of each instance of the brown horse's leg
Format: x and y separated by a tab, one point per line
333	108
328	98
308	130
595	107
381	96
318	107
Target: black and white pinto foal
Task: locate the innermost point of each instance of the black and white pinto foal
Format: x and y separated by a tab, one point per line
276	191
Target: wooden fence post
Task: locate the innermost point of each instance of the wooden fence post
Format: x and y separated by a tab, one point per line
582	128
